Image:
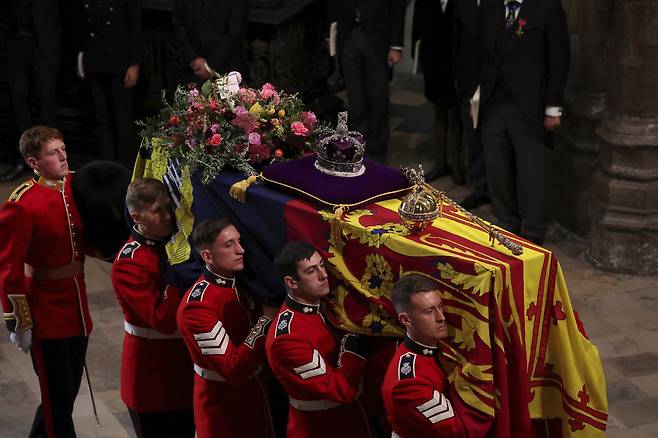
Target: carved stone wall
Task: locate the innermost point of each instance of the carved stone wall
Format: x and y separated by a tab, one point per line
577	152
624	208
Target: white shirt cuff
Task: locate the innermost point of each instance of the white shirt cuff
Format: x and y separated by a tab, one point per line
396	48
553	111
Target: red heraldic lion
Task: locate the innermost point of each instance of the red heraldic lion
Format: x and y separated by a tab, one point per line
156	370
415	393
226	339
321	376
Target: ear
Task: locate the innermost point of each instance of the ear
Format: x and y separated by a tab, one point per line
33	163
404	319
136	217
206	256
290	282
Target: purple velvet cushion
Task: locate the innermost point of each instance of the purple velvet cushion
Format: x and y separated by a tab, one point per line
303	179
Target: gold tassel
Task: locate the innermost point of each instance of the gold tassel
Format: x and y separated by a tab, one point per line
238	191
336	226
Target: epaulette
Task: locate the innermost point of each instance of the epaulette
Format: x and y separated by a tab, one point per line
197	291
20	190
283	323
407	366
128	250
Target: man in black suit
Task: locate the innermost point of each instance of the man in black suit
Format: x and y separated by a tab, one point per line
433	27
368	44
466	66
524	69
208	35
110	47
33	57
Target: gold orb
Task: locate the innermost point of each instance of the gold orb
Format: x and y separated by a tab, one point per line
418	210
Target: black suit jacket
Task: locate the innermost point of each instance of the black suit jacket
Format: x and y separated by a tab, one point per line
42	19
434	28
382	21
109	34
535	64
212	29
466	47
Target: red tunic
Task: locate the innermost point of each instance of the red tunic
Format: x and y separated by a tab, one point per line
416	394
156	374
41	227
227	344
321	379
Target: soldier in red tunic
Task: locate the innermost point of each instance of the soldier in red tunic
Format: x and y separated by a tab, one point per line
156	370
224	329
415	390
321	373
42	286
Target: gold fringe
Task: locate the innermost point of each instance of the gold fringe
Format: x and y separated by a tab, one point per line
238	191
337	227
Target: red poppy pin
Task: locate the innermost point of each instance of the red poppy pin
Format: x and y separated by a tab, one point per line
519	30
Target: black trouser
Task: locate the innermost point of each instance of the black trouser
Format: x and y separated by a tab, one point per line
366	73
170	424
517	163
58	364
477	175
113	104
30	75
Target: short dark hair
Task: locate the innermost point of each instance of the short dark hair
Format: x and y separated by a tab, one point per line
205	232
286	262
409	285
142	192
34	138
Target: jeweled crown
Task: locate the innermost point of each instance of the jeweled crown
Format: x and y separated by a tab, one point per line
340	152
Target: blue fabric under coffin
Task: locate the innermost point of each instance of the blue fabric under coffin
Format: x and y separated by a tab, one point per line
261	224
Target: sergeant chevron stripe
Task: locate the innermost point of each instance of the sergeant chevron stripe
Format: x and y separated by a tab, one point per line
213	342
438	408
315	367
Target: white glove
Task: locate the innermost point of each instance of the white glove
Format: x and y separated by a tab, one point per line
22	340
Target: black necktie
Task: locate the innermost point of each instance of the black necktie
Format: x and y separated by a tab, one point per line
512	7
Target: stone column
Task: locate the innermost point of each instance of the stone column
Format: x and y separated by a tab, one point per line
624	208
577	151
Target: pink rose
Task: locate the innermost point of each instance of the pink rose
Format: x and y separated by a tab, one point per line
299	129
268	91
308	119
215	140
278	153
254	138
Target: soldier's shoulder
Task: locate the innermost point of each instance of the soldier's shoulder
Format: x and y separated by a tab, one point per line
198	291
20	191
407	366
283	323
128	251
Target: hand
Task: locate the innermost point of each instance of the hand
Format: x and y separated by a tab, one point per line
551	123
22	340
270	312
132	74
199	68
394	57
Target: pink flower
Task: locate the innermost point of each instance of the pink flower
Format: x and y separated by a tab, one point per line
215	140
268	91
247	95
244	119
259	152
308	119
299	129
214	105
214	127
278	153
254	138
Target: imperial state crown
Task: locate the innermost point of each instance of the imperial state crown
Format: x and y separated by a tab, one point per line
340	152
